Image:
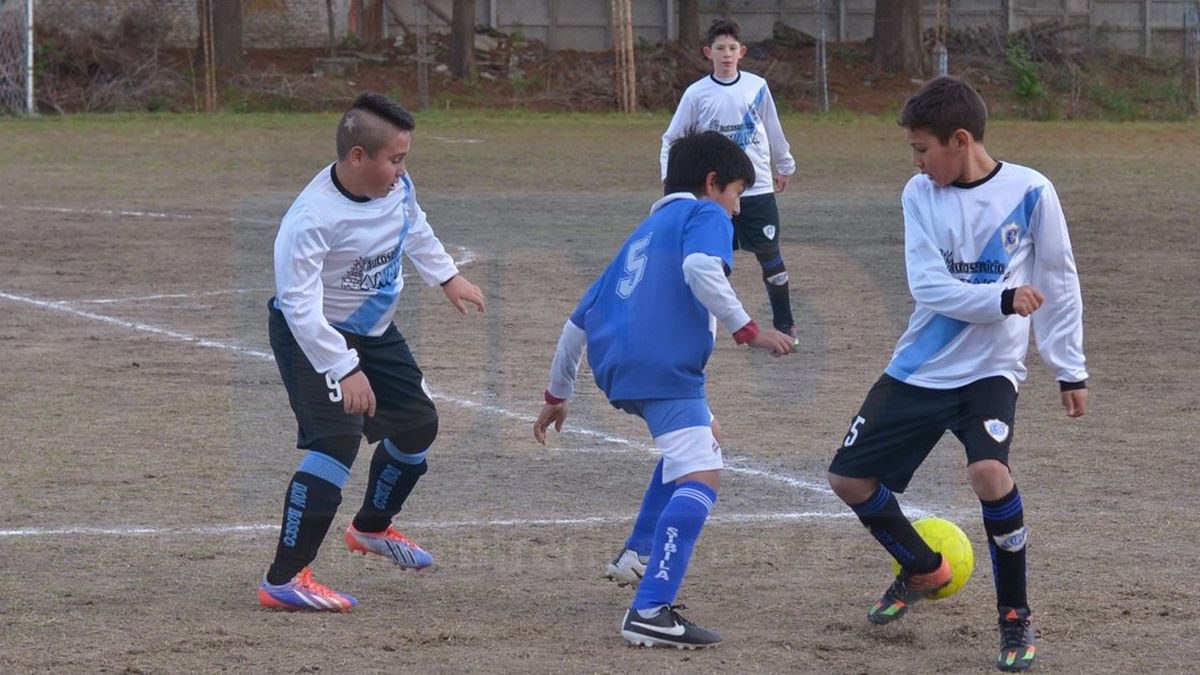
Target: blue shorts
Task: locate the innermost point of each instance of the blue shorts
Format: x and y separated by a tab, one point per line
682	431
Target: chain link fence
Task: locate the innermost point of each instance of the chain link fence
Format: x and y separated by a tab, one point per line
16	57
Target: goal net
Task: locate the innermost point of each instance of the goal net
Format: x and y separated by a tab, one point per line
16	57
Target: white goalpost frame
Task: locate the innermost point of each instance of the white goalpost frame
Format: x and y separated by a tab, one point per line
30	107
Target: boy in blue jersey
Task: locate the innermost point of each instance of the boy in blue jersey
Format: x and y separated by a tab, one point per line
739	104
347	369
649	324
987	255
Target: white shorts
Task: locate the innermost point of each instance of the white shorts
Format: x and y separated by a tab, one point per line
689	450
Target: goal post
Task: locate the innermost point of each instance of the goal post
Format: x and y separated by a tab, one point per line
16	57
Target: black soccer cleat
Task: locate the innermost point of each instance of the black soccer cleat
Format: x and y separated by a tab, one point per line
667	628
1017	646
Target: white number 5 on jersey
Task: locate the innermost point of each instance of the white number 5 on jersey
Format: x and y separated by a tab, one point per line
635	267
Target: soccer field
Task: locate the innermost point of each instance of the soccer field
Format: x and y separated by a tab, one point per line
146	439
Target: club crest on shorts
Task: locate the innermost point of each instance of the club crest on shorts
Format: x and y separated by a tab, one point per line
1010	236
769	230
996	429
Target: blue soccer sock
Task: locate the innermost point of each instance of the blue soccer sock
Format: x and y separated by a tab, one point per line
881	515
678	528
392	478
656	497
1004	520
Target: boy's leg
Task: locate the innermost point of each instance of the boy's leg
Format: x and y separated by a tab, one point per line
312	499
332	438
756	229
406	420
630	564
692	461
985	428
894	430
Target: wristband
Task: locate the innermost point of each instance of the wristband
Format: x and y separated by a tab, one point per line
552	399
746	333
1006	301
1072	386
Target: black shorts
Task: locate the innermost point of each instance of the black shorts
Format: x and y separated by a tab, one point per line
899	424
402	401
756	226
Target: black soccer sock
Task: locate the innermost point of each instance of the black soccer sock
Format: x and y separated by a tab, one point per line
393	476
1004	521
775	277
881	515
313	496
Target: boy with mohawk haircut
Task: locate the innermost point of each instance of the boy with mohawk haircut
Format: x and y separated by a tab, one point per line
347	369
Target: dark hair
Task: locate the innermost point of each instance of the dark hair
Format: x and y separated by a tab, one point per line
371	122
945	105
696	155
721	27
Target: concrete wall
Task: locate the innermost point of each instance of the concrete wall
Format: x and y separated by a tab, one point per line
1137	26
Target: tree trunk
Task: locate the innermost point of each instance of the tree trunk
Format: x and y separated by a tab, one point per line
689	23
897	44
462	39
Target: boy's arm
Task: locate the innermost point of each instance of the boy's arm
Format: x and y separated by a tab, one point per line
932	285
563	372
781	151
300	250
1058	324
425	250
681	121
705	275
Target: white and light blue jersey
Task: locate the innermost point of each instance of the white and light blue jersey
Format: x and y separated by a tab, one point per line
744	111
648	335
964	245
337	265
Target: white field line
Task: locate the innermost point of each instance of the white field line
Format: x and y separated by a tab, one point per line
585	521
465	257
164	296
820	488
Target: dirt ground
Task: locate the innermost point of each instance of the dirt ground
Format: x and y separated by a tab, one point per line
146	438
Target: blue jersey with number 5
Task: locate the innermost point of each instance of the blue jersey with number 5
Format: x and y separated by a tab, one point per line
647	334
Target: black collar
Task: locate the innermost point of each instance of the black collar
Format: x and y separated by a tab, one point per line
345	193
981	181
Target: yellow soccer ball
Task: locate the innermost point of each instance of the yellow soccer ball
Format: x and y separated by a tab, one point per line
948	539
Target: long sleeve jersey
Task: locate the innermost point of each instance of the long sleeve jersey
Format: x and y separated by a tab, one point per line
649	320
744	111
337	265
964	246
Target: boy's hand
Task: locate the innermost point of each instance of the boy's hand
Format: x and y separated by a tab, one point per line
779	343
1075	401
551	412
1026	300
460	291
781	183
357	396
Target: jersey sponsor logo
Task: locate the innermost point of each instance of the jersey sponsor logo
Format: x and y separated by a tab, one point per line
769	231
362	275
988	271
1010	235
1013	541
996	429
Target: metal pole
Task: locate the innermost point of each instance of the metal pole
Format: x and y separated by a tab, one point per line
822	71
30	106
1146	36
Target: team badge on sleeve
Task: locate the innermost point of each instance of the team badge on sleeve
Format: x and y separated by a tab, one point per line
996	429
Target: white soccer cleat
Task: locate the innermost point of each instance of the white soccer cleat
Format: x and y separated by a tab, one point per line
627	568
